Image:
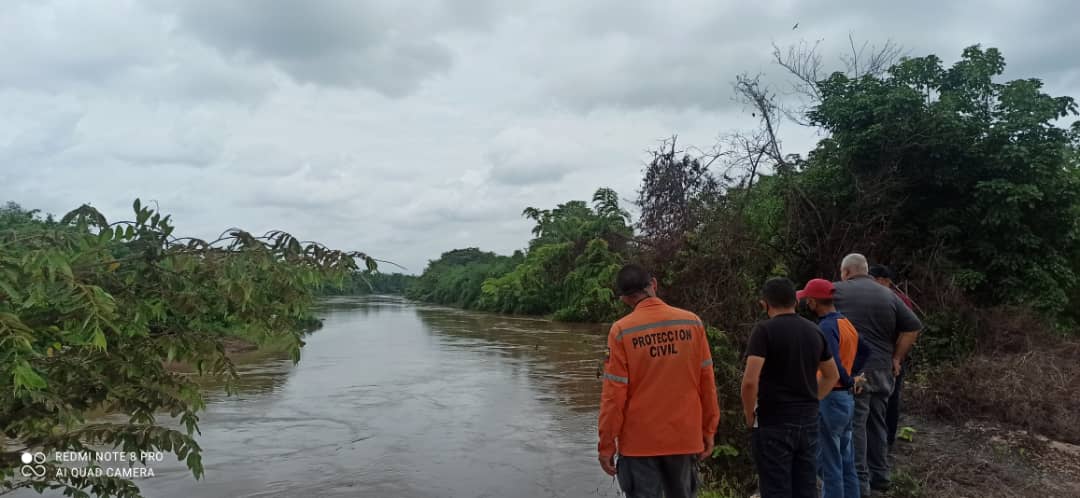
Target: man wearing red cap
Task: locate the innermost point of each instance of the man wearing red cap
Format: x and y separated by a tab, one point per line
836	451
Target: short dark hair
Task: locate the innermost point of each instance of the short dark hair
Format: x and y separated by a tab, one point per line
632	279
779	292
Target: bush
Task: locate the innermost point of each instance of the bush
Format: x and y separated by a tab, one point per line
731	469
1020	373
949	335
92	311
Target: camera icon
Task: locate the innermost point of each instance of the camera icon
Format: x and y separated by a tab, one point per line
33	465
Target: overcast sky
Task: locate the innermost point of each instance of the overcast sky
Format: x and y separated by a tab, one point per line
408	128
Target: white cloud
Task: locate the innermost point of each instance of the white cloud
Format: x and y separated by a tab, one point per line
406	129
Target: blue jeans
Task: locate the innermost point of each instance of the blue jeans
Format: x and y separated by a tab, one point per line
836	451
785	458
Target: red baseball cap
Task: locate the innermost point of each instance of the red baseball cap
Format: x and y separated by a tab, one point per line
817	288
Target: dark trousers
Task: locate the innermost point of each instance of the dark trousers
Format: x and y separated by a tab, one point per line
870	432
671	476
892	412
786	459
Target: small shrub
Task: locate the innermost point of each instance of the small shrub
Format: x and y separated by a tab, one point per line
905	485
949	335
722	489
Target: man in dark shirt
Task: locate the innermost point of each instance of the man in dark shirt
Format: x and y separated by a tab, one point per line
781	391
889	328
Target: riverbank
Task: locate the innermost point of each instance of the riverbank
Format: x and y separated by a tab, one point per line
1003	422
975	459
240	347
980	459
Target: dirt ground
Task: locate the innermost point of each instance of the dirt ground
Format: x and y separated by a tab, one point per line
981	460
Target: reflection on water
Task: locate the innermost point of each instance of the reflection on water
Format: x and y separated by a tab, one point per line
559	360
392	398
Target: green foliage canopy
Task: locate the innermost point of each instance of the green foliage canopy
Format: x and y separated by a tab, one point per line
91	312
949	168
567	271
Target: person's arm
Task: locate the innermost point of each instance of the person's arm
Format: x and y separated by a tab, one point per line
909	326
710	407
751	377
756	349
862	353
613	400
831	331
829	376
827	369
903	346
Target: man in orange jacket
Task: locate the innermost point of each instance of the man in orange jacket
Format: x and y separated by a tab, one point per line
658	409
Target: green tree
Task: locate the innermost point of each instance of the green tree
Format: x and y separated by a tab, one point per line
571	263
370	282
456	277
567	271
951	167
91	312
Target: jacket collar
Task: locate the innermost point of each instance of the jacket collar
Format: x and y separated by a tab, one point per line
649	302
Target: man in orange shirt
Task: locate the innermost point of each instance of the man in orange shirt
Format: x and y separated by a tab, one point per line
836	449
658	410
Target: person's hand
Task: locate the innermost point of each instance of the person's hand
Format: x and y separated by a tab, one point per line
896	367
860	383
608	464
709	444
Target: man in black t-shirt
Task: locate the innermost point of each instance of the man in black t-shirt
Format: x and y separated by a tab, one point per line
781	391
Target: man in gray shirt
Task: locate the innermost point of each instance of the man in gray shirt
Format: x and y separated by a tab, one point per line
886	324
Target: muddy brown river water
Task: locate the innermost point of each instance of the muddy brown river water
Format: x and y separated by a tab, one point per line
397	399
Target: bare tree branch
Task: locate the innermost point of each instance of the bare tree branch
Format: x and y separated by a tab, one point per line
751	91
869	60
804	63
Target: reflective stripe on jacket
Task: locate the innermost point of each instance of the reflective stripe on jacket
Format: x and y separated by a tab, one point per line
659	395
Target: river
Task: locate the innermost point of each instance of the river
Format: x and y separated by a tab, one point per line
398	399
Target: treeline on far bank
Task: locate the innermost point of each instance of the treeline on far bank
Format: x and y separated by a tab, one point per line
368	282
969	187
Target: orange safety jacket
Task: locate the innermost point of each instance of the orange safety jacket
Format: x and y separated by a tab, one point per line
843	341
659	395
848	347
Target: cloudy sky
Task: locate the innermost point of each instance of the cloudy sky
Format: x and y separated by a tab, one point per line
407	128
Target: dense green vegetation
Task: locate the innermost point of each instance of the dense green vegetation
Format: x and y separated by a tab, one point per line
369	282
91	312
567	271
457	276
969	186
